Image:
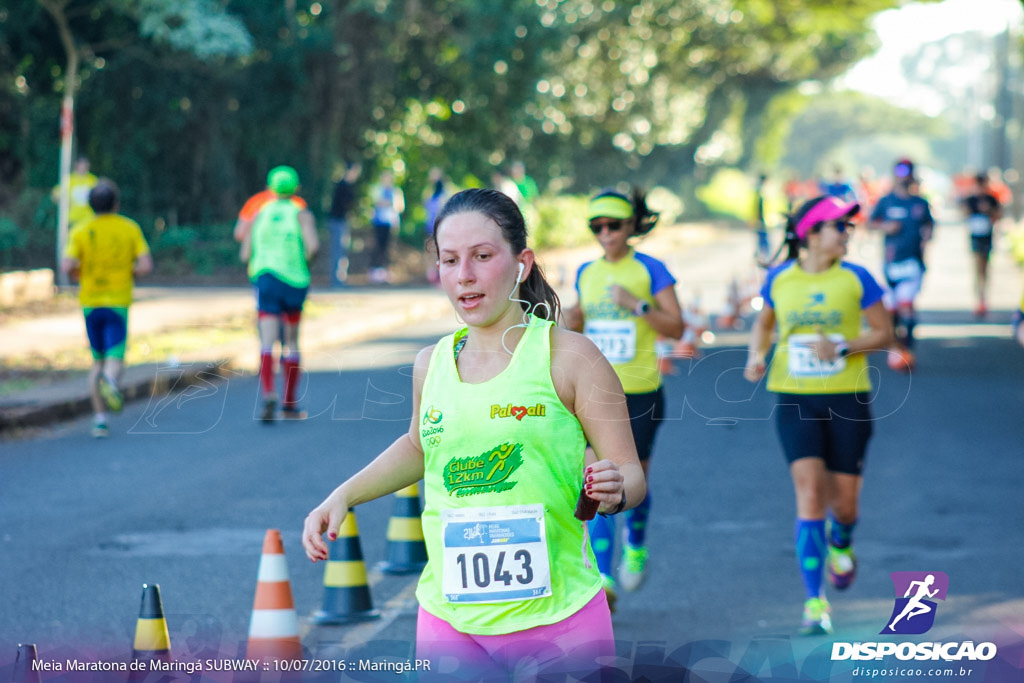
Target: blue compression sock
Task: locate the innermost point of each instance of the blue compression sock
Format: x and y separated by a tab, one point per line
602	540
840	535
810	553
636	522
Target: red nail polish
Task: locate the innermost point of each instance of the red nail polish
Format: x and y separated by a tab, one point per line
333	536
590	479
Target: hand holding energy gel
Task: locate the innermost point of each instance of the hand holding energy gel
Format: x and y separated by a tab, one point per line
586	507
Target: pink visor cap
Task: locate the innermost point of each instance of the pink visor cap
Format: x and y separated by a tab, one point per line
828	209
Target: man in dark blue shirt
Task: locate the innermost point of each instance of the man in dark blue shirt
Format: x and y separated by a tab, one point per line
342	200
906	219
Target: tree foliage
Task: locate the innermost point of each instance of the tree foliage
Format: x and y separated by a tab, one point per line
187	104
832	119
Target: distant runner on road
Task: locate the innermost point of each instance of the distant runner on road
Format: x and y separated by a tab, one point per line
106	253
829	315
281	242
906	219
981	210
626	300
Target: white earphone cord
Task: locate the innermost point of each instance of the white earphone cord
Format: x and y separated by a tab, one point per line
530	309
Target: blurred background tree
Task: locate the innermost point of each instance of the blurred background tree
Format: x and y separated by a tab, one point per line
188	104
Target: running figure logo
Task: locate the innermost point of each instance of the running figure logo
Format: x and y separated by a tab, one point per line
914	613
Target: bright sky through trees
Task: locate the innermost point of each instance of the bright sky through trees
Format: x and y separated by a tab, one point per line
903	31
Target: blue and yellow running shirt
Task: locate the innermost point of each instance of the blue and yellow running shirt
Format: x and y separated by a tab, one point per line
626	339
829	302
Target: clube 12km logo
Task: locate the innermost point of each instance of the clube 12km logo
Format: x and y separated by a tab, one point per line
914	613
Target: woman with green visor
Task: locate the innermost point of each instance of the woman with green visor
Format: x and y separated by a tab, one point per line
626	300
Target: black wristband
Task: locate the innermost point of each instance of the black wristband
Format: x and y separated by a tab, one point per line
618	508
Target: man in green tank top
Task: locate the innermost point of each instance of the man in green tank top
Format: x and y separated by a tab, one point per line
282	241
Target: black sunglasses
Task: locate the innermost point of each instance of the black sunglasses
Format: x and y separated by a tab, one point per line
613	226
840	226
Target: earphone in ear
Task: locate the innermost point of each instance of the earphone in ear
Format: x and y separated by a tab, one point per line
519	276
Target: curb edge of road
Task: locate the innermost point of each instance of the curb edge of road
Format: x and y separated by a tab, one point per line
162	380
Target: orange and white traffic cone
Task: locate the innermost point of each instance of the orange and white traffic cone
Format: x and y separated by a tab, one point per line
407	551
274	627
152	642
346	593
25	667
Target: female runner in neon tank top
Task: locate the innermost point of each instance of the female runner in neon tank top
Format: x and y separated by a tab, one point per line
830	315
627	299
502	410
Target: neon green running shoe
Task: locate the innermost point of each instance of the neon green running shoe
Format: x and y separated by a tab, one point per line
609	591
842	567
111	395
633	568
817	618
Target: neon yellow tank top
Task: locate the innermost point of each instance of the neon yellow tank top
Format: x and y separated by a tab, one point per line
503	464
277	246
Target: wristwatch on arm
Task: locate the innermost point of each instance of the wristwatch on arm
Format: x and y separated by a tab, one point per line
642	308
618	508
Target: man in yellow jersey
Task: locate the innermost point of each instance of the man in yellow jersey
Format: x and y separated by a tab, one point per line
105	253
282	240
81	182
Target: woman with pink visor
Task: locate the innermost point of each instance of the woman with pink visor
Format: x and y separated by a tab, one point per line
829	315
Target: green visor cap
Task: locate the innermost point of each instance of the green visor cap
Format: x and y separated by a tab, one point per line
609	206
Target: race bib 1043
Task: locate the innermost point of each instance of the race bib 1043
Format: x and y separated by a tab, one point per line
497	554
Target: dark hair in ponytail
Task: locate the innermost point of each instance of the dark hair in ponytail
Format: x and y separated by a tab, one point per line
645	218
792	242
503	211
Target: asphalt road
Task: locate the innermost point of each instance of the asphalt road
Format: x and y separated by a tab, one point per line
183	491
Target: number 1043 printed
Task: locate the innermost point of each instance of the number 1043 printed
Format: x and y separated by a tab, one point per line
495	554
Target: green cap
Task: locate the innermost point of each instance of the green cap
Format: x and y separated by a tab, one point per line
283	180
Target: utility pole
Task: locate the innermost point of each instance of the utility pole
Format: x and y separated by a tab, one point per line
1003	104
67	132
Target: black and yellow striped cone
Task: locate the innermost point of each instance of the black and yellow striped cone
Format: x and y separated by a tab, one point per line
407	552
152	641
24	671
346	593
